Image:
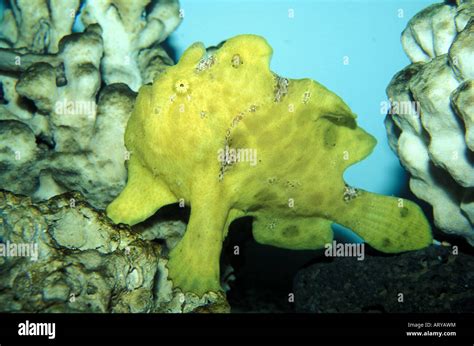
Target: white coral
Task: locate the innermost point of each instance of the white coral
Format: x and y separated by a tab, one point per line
434	135
66	96
131	32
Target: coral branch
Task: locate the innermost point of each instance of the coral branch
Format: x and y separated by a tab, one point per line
13	61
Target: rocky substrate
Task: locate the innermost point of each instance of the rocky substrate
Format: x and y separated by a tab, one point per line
62	255
435	279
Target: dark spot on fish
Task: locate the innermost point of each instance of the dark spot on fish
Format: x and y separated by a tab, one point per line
403	212
272	180
341	120
316	198
290	232
268	195
330	137
386	242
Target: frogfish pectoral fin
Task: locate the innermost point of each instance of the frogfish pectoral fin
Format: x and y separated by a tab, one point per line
295	233
389	224
142	197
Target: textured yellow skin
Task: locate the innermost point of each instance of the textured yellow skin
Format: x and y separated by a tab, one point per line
304	139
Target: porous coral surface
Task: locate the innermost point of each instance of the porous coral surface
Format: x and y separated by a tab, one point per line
62	255
67	96
430	124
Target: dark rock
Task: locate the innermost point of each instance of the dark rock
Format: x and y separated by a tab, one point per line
434	279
